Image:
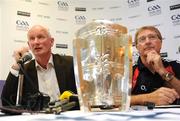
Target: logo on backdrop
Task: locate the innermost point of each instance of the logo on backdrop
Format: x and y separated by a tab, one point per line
178	52
164	54
133	3
114	7
134	16
157	25
27	0
177	37
132	30
64	46
174	7
99	8
175	19
115	19
22	25
62	32
80	9
20	41
22	13
80	19
43	16
43	3
150	0
154	10
63	6
61	19
135	55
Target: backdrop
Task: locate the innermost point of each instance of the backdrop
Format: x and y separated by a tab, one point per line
65	17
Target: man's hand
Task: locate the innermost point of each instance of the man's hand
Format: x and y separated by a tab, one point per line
17	54
154	60
163	96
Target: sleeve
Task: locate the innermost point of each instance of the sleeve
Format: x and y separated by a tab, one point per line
9	91
176	68
14	72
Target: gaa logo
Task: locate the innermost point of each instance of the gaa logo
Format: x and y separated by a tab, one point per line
80	19
22	25
63	5
175	19
154	10
133	3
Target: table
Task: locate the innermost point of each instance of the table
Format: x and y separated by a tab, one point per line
164	114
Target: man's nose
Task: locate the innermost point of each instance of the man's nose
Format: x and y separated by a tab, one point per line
147	40
36	40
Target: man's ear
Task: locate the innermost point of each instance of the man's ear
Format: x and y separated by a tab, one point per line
137	47
29	45
52	42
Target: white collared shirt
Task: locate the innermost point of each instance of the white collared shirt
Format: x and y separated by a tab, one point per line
47	80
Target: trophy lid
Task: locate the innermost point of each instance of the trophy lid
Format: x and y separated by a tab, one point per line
100	27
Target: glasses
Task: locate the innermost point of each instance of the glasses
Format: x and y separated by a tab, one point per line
150	37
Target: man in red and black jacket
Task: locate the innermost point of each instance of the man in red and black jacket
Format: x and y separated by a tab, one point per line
155	79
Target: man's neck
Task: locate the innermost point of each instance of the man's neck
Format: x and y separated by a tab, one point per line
43	60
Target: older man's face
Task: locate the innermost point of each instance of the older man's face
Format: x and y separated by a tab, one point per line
148	40
39	41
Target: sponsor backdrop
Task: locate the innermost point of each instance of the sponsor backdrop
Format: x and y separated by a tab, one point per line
65	17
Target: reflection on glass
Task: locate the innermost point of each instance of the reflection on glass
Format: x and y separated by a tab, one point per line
102	57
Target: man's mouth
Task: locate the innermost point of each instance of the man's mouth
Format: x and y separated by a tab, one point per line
37	48
149	48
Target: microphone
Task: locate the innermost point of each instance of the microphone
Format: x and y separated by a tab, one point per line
67	101
26	57
70	96
66	95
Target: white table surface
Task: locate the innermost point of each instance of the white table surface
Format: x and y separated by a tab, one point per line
164	114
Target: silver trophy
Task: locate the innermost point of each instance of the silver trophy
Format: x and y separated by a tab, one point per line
103	60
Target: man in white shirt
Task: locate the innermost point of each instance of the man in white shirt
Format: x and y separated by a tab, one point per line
48	73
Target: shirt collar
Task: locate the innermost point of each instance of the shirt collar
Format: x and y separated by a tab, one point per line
50	64
140	64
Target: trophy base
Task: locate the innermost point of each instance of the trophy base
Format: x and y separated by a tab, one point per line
99	108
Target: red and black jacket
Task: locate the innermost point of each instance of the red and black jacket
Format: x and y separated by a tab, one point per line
143	81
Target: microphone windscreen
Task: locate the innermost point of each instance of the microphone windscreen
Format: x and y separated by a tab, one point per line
26	57
66	95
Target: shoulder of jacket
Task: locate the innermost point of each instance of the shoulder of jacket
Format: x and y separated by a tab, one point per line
63	57
171	61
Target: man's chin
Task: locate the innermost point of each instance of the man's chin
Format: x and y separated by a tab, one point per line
38	53
146	52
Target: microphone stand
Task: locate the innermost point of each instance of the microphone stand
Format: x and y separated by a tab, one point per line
20	85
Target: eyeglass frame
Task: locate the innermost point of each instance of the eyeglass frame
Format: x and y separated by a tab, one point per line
151	37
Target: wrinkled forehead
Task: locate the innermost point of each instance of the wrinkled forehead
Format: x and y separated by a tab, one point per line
145	32
38	30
